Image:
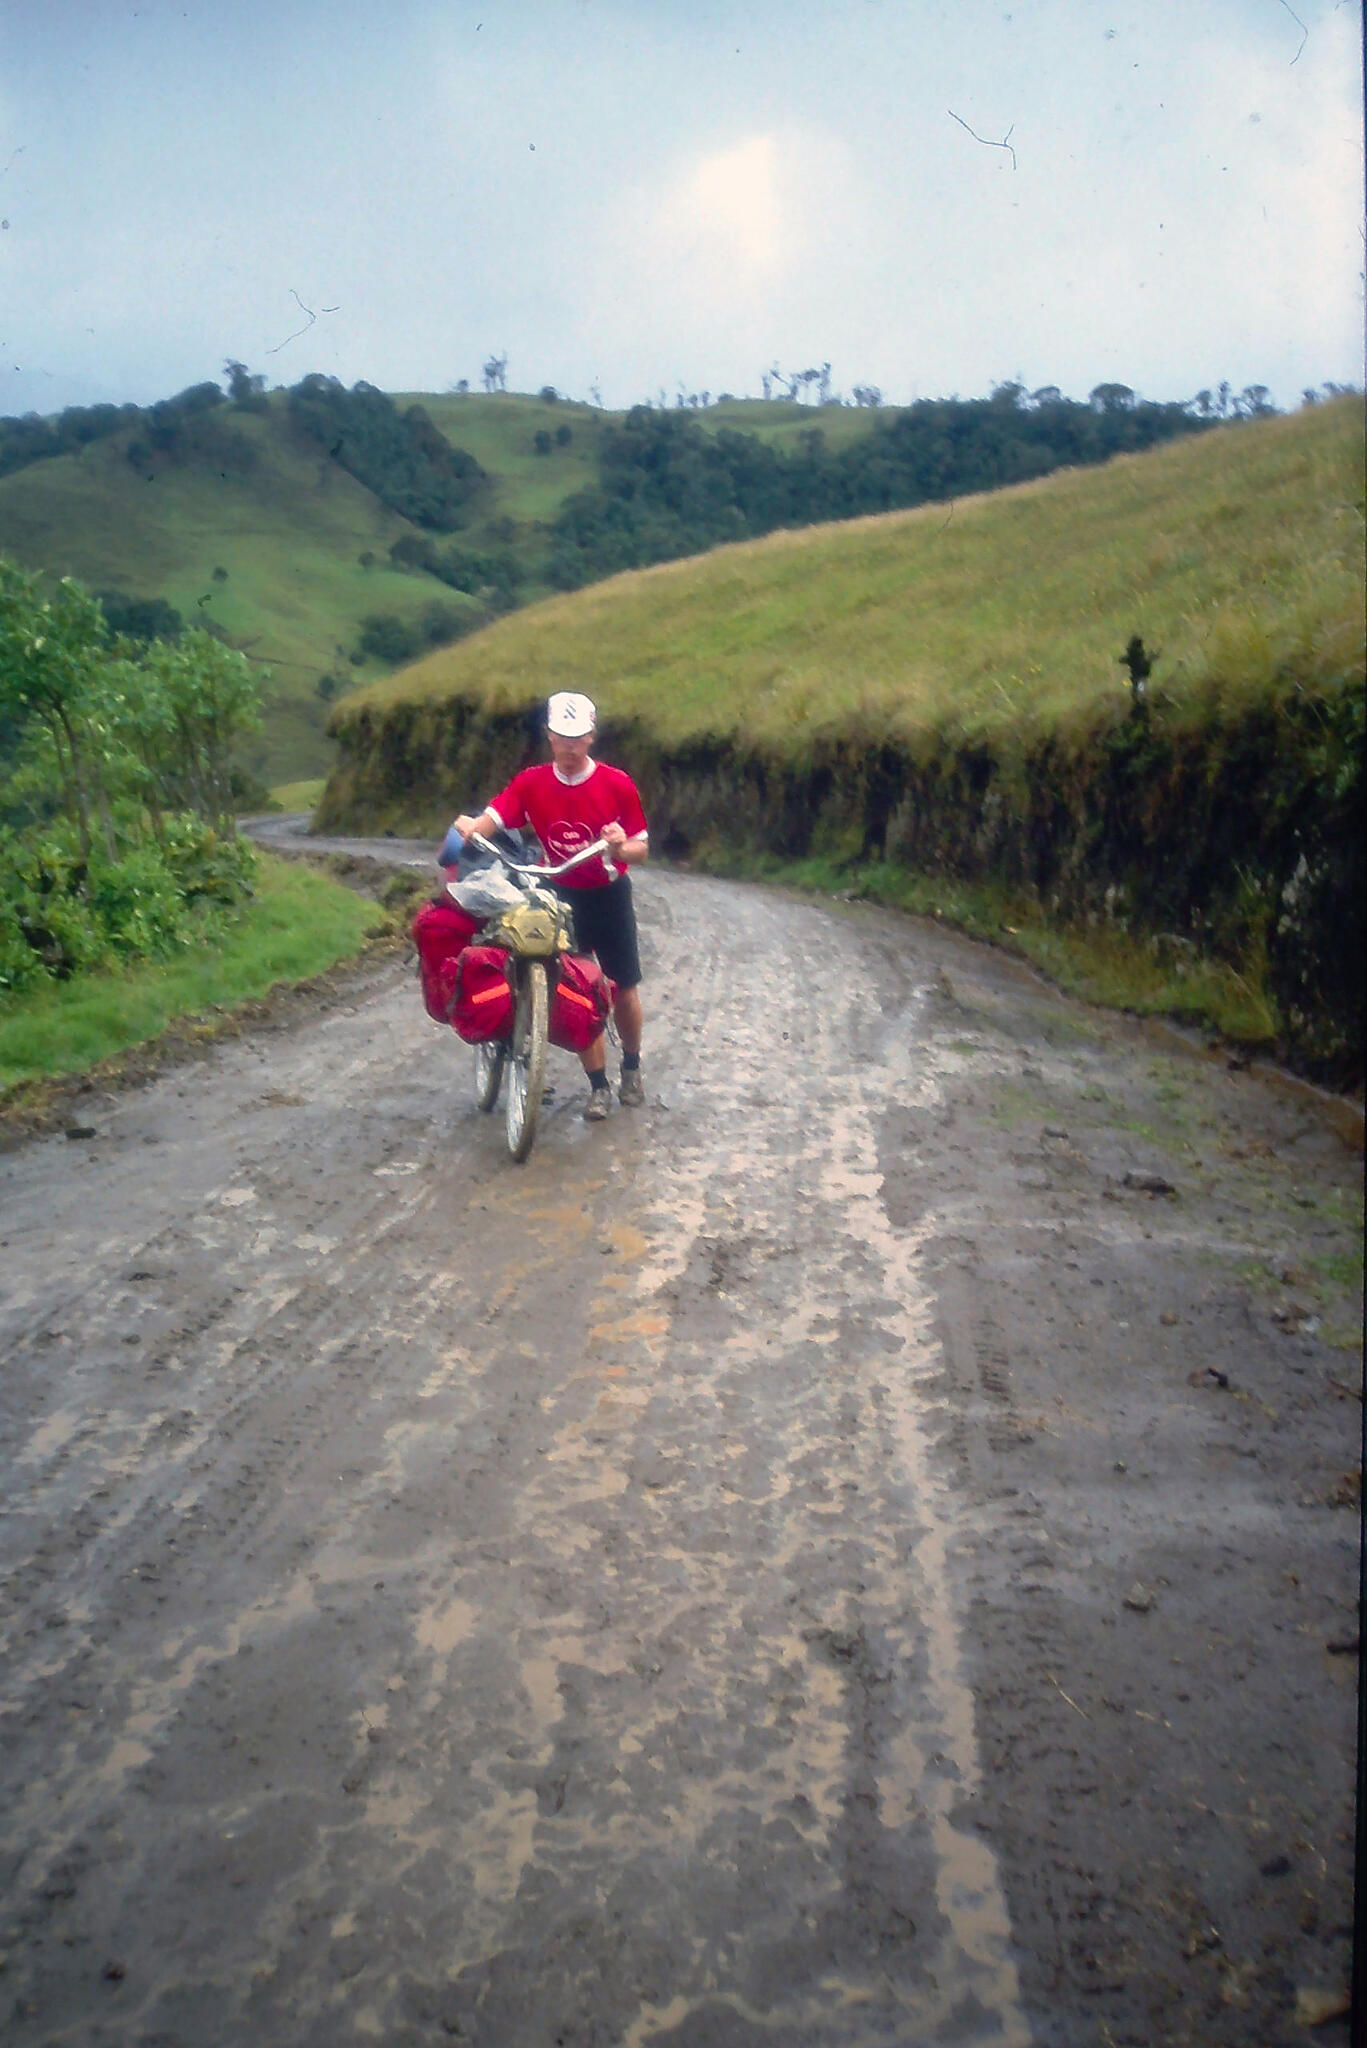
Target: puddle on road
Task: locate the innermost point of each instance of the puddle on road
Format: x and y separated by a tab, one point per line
440	1628
627	1241
503	1847
54	1435
642	1325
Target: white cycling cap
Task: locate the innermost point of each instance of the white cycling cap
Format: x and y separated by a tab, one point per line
570	715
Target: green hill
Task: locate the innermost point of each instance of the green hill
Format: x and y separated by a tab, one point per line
943	690
304	545
1004	615
333	534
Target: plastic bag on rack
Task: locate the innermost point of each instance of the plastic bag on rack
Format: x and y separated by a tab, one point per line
486	893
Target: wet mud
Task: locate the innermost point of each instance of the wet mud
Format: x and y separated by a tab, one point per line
861	1551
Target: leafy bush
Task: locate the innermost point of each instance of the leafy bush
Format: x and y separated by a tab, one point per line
61	912
385	635
117	786
141	618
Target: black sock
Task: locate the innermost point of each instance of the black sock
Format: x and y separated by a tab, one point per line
598	1080
630	1062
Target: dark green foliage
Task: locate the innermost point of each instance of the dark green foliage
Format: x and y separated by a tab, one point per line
412	551
140	618
172	426
442	623
1139	662
541	442
34	439
399	456
117	788
248	792
388	638
246	392
668	488
96	725
62	911
492	574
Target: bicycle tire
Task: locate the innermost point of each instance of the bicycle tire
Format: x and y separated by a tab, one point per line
490	1059
527	1058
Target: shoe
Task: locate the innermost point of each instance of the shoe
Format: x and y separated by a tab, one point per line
597	1106
631	1090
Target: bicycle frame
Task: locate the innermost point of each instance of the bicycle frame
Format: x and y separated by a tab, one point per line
533	933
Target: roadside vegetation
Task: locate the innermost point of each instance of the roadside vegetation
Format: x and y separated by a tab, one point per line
1127	700
298	923
126	896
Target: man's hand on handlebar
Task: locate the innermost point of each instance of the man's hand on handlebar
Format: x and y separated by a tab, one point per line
622	846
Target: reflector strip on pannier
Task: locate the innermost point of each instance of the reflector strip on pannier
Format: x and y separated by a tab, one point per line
491	995
572	995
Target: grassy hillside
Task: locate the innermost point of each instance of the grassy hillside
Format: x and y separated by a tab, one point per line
291	529
244	514
499	429
1232	555
941	691
287	526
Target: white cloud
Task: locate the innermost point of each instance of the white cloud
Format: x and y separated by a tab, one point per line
729	211
727	256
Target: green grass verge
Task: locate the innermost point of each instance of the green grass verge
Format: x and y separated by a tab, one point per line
299	923
299	796
1102	964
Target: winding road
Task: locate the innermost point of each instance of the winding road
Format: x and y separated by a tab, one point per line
860	1552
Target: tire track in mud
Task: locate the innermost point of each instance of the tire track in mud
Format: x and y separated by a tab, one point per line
879	1747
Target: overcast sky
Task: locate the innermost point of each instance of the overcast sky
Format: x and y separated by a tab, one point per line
632	195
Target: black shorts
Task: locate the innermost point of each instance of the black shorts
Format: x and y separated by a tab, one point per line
605	924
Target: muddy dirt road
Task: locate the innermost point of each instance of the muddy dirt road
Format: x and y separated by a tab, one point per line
862	1551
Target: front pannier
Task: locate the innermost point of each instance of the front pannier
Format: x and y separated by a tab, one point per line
482	1001
441	930
581	1002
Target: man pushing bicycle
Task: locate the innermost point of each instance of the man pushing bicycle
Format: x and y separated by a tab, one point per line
569	801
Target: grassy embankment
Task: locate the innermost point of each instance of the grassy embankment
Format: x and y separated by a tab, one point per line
299	923
929	707
290	528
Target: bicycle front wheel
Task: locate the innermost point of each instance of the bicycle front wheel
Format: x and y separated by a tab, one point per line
489	1061
527	1057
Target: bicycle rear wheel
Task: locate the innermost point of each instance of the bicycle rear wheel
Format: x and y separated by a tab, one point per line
490	1059
527	1058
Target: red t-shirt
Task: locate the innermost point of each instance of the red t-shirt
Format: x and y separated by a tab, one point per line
566	816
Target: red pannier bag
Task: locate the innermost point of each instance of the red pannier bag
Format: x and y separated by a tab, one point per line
441	930
482	998
581	1002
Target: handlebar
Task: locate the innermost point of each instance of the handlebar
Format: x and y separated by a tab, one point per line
541	873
